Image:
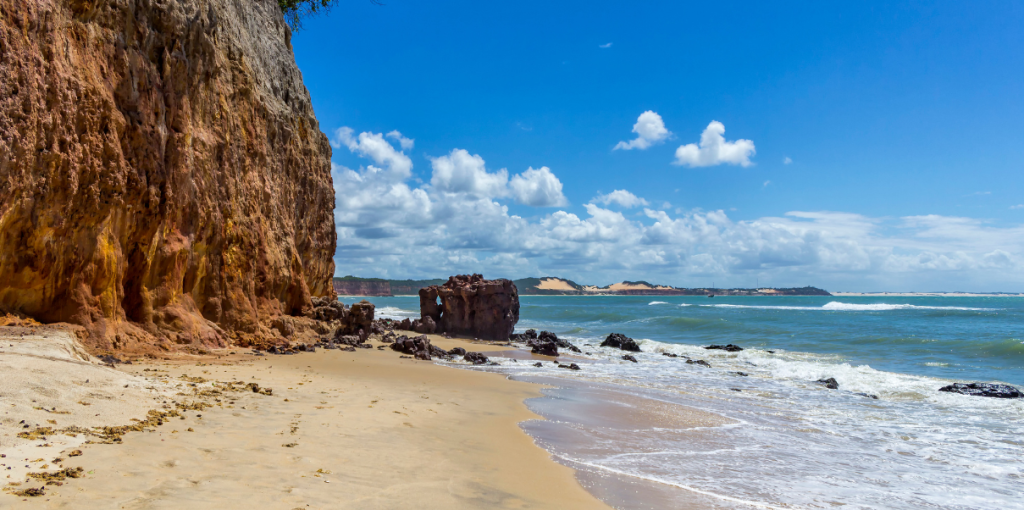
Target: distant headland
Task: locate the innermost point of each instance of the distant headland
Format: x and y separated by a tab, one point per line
554	286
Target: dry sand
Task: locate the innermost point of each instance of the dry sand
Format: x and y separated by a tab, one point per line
364	429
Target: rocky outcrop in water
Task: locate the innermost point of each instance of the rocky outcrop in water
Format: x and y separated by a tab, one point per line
726	348
163	180
471	306
620	341
829	383
983	390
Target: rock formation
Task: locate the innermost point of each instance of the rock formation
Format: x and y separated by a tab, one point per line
471	306
620	341
163	180
984	390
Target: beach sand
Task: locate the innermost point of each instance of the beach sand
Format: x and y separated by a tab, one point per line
364	429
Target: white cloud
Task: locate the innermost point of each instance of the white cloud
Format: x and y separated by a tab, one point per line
375	147
622	198
390	226
766	183
461	172
787	160
605	45
1018	206
406	143
649	129
539	188
715	150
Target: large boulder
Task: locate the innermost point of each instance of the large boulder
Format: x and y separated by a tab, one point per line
984	390
620	341
471	306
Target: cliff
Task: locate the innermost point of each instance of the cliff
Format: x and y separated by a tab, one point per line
362	287
163	180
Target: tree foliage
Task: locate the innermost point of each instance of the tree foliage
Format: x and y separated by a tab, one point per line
295	10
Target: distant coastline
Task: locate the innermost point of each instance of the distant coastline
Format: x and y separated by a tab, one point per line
554	286
927	294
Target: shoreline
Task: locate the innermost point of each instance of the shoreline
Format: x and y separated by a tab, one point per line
364	429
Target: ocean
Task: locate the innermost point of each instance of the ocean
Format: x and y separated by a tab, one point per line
773	437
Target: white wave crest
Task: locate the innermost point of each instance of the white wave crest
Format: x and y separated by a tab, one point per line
391	312
657	303
836	306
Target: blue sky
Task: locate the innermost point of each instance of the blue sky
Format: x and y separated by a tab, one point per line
887	141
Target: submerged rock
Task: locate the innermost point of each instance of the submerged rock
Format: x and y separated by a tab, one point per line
620	341
727	348
570	366
627	357
983	390
698	362
475	358
829	383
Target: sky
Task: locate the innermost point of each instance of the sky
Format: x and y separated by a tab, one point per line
854	146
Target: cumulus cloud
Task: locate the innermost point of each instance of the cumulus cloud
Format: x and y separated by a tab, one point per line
714	150
462	172
375	147
389	225
405	143
787	160
621	197
1018	206
539	188
649	129
605	45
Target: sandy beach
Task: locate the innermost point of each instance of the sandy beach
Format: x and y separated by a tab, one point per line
364	429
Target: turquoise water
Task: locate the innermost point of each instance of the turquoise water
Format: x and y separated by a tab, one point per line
975	338
789	442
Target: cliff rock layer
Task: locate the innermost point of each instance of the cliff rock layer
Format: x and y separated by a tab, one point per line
163	180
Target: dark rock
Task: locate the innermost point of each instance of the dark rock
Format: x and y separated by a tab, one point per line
538	364
475	358
620	341
984	390
829	383
439	352
388	337
530	334
628	357
472	306
425	326
405	325
418	346
358	317
741	374
866	395
699	362
770	352
352	340
727	348
327	309
348	349
543	347
570	366
670	354
735	389
364	346
457	351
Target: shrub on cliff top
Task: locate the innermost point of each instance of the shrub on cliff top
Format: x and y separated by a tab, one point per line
295	10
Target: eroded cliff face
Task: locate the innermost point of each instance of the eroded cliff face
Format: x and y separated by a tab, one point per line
163	180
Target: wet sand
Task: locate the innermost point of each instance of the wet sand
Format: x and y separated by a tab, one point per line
364	429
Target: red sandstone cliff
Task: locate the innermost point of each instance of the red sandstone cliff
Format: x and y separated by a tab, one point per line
362	288
163	180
